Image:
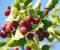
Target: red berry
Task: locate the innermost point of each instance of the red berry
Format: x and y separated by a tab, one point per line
45	11
4	26
29	27
3	34
30	36
22	23
7	12
46	34
15	48
28	48
9	28
41	38
23	30
29	19
36	20
14	24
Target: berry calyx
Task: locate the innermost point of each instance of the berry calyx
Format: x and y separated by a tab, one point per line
28	19
30	36
8	7
36	20
22	23
23	30
7	12
14	24
28	48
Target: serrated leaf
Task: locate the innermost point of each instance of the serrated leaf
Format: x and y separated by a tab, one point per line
2	43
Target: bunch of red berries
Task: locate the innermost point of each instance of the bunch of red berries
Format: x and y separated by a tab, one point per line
26	25
7	28
42	34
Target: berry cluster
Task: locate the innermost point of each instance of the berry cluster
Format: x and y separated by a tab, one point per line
7	28
26	25
7	11
42	34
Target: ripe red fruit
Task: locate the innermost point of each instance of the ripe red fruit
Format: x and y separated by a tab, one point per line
9	27
3	34
36	20
28	19
29	27
45	11
4	26
23	30
14	24
41	38
22	23
7	12
28	48
46	34
15	48
30	36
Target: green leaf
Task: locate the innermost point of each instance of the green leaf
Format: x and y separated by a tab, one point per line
27	2
18	35
47	24
41	14
57	32
55	19
50	38
45	47
12	43
16	4
3	47
2	43
21	42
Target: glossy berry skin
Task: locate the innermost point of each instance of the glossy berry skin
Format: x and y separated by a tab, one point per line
46	34
29	27
41	38
36	20
23	30
28	19
28	48
30	36
4	26
22	23
9	28
15	48
3	34
14	24
7	12
45	11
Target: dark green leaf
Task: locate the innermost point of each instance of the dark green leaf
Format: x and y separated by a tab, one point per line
2	43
